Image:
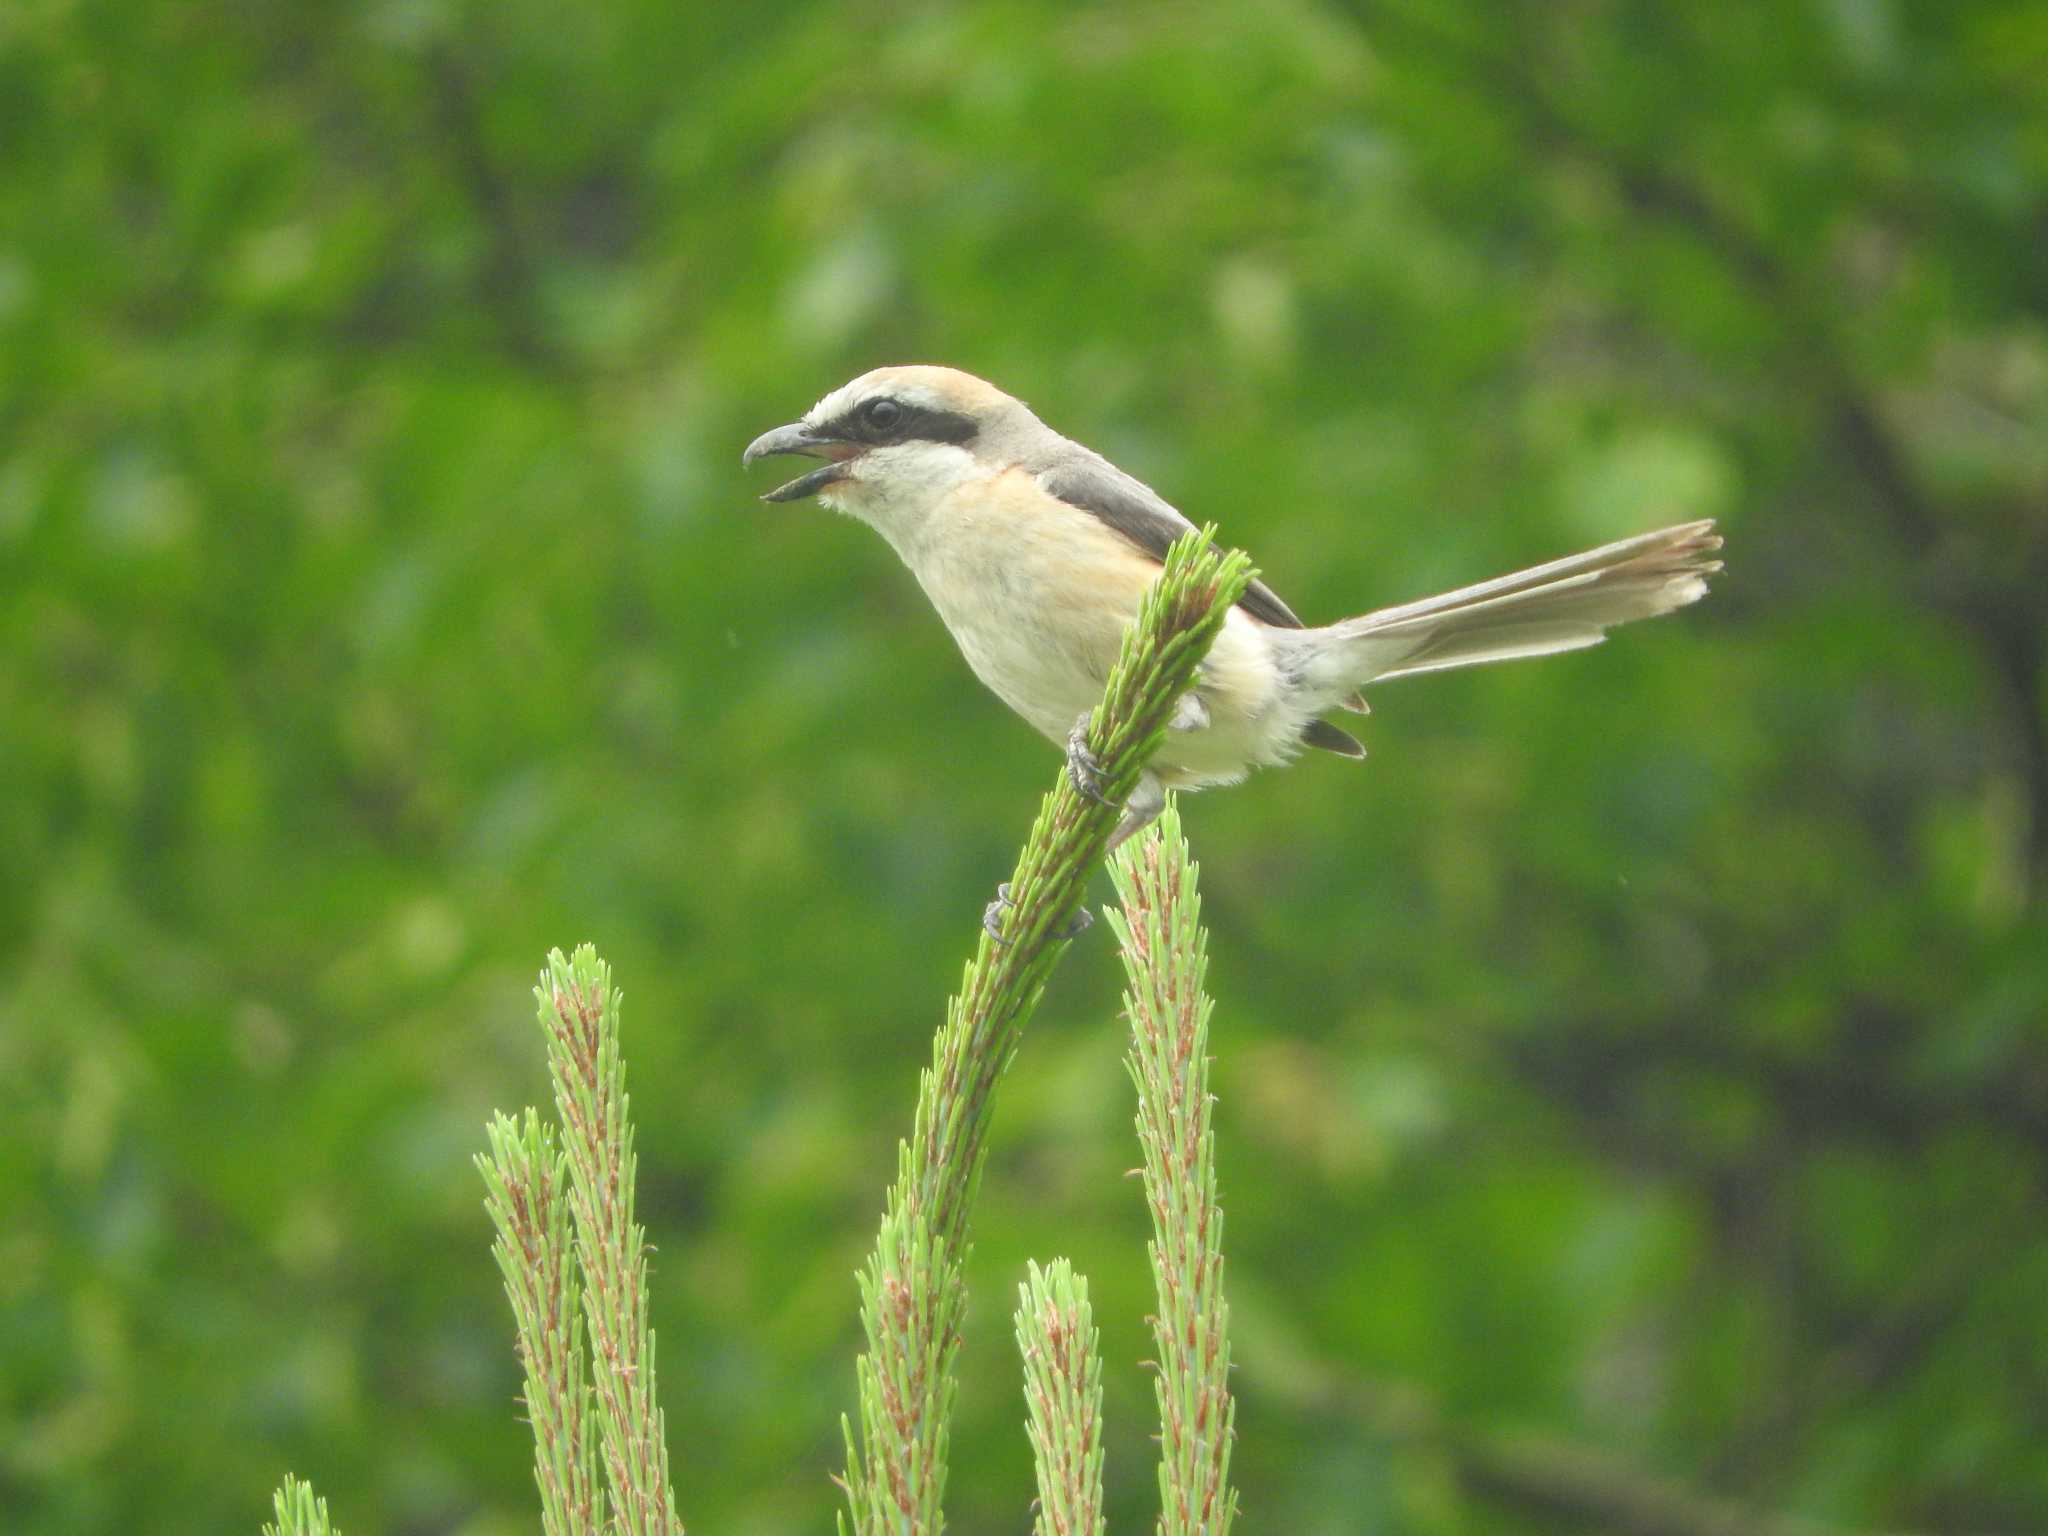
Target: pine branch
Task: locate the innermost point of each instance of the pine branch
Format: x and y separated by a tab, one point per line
525	1177
579	1013
298	1512
913	1295
1165	954
1063	1397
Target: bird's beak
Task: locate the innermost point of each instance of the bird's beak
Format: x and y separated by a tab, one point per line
798	438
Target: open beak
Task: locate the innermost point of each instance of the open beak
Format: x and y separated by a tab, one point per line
797	438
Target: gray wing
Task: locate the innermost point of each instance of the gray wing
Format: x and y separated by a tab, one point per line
1132	508
1084	479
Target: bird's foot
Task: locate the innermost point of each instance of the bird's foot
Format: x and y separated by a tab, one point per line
1084	769
992	918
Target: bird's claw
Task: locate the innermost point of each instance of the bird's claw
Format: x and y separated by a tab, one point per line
1084	769
992	916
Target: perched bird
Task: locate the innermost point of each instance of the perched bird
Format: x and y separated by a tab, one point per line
1036	553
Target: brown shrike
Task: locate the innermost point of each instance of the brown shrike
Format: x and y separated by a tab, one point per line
1036	553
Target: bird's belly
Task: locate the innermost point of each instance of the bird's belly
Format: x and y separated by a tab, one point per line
1043	638
1036	654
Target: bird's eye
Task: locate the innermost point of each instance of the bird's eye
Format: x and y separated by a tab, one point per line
882	414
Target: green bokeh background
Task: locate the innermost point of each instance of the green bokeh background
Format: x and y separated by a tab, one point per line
1641	1057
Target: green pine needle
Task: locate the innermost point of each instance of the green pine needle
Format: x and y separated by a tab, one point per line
298	1512
1062	1398
1165	954
579	1013
913	1295
526	1181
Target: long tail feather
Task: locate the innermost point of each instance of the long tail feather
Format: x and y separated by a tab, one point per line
1561	606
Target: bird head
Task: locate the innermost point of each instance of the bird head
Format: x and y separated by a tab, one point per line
894	433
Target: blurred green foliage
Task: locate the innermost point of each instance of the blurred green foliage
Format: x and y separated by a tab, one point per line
1644	1049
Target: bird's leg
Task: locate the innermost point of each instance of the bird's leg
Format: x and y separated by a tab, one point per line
992	918
1190	714
1084	770
1140	811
